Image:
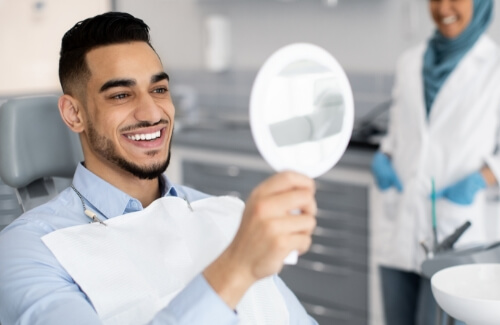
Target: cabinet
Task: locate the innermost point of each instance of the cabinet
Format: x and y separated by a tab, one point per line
332	280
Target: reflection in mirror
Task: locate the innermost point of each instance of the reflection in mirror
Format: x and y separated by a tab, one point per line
305	111
301	110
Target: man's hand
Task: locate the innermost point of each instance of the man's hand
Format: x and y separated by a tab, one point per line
270	229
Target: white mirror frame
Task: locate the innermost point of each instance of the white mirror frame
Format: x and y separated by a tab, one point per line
263	138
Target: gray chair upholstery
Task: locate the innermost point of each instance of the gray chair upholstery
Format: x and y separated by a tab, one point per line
38	153
10	208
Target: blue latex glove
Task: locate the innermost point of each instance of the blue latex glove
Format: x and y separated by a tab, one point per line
385	175
463	191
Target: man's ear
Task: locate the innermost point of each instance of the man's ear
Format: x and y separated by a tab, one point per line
71	113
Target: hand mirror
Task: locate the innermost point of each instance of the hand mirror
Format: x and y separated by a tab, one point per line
301	111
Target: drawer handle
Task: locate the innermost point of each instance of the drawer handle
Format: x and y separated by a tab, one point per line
334	234
317	310
322	267
335	214
329	251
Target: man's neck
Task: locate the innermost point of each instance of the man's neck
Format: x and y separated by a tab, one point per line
144	190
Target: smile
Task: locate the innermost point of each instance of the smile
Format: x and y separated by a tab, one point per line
145	136
449	20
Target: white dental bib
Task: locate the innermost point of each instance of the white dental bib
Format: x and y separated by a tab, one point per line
135	266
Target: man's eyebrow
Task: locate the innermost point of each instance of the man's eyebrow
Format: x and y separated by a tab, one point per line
117	83
159	77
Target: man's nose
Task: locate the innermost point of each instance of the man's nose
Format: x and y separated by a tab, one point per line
148	110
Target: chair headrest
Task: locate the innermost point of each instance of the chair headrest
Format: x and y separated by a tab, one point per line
34	142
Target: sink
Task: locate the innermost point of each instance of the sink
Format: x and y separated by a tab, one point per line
470	293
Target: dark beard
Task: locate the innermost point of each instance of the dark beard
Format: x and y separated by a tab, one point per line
105	148
151	172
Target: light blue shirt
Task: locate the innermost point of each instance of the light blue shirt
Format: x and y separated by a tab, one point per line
36	289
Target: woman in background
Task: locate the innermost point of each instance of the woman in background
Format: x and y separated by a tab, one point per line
443	132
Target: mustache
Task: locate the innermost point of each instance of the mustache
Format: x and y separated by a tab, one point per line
144	124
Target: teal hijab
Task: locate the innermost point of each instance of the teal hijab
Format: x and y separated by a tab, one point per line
443	54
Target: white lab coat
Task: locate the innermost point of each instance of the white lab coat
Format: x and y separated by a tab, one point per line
459	138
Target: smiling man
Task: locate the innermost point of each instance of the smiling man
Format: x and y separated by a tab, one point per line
125	116
153	259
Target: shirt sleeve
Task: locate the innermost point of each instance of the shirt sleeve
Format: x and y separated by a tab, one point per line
34	288
198	303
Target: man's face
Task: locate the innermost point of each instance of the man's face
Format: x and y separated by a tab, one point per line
129	113
451	16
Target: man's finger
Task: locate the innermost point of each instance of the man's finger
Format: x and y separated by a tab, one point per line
297	201
304	224
284	181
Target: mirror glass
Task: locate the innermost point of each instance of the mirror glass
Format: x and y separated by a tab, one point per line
301	110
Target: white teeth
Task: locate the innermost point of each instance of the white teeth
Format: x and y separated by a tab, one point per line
449	20
148	136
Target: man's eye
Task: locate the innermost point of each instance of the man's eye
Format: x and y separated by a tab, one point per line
120	96
160	90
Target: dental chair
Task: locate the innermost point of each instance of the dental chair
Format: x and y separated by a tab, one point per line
38	153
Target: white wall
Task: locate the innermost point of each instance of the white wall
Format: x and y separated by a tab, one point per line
364	35
30	40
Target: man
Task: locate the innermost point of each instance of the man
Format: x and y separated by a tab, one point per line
116	96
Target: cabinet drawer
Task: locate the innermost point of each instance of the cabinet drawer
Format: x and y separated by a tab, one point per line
341	195
343	219
345	286
328	313
339	248
335	237
338	258
217	178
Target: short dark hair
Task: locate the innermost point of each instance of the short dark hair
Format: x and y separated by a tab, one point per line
105	29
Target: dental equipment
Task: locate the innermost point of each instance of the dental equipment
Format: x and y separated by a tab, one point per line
433	211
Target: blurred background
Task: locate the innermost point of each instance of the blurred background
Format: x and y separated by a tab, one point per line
213	48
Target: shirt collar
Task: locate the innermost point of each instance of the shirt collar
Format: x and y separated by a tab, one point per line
108	200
